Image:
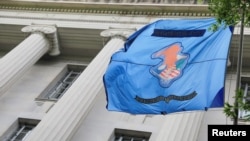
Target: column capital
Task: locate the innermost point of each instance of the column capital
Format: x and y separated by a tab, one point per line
50	32
46	29
122	33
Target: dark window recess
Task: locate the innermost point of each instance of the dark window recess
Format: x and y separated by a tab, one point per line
131	135
61	83
22	129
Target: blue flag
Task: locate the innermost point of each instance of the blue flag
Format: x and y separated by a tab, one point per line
169	66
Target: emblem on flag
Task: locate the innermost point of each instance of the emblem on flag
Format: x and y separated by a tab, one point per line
172	63
182	59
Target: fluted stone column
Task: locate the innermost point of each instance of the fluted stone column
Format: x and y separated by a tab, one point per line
64	118
15	63
181	126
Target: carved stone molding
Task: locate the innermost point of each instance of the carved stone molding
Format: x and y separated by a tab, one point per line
122	33
152	9
50	32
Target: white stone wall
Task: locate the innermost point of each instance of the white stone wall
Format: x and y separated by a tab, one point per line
19	100
99	124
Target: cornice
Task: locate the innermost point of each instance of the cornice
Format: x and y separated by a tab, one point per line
109	8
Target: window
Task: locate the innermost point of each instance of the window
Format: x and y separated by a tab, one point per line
130	135
62	83
20	130
245	85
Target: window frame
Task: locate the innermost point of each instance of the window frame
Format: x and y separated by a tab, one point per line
132	135
14	130
59	86
245	86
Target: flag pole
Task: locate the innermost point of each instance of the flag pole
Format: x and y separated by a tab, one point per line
239	67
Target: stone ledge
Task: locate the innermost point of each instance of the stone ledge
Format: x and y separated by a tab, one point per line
110	8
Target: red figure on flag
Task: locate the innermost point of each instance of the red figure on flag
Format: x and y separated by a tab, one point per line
170	57
170	68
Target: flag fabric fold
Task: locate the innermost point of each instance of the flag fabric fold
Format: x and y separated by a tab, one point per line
168	66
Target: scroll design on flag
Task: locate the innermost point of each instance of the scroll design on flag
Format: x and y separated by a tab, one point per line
173	61
167	99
